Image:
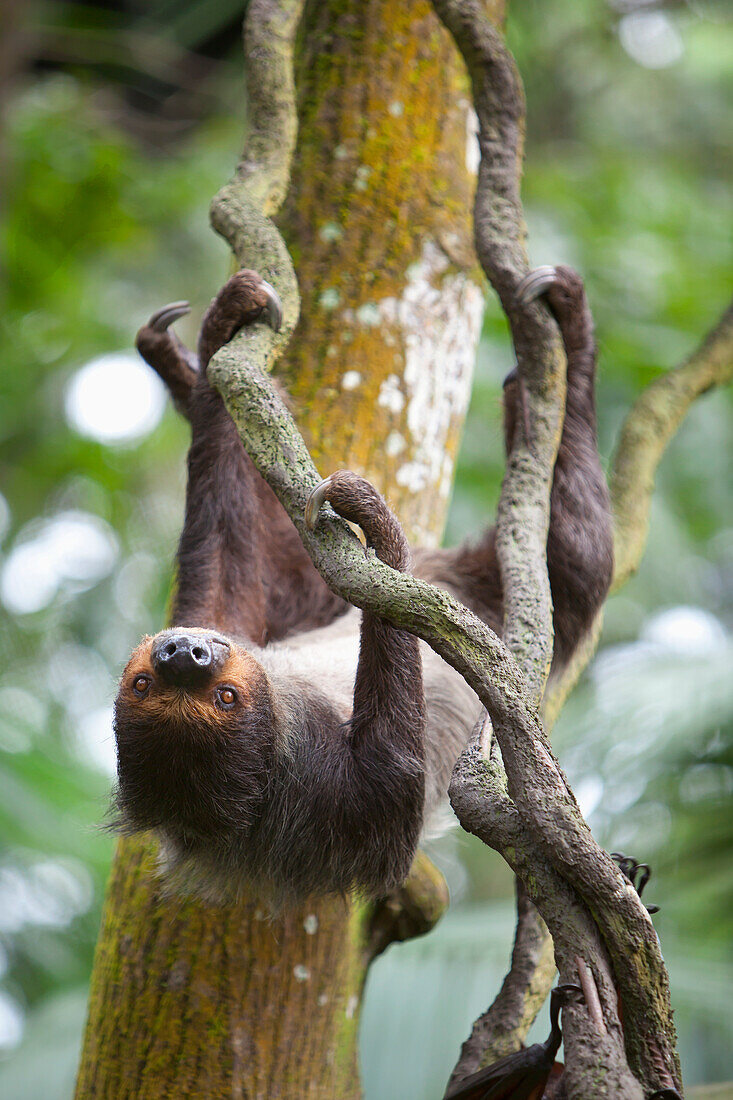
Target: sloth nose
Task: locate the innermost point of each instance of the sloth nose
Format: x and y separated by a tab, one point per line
182	659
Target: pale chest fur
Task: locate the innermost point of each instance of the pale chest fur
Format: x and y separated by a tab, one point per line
326	660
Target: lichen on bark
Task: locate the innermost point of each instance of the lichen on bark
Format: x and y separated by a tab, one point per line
377	222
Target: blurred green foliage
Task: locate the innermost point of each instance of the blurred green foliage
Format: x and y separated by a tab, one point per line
626	180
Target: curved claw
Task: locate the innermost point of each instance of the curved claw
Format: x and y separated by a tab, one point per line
625	863
568	993
644	872
274	307
165	317
638	874
315	502
630	868
535	284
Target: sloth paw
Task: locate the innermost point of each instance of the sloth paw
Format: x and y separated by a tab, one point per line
353	497
247	298
358	501
172	361
244	299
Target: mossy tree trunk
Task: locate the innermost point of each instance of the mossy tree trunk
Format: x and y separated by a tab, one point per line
378	223
189	1000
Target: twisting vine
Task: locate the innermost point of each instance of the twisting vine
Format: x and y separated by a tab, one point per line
242	210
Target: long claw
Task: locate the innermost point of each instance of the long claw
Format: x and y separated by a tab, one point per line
569	993
274	307
315	502
638	874
165	317
644	872
535	284
625	863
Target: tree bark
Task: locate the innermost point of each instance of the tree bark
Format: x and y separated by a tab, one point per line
378	223
190	1000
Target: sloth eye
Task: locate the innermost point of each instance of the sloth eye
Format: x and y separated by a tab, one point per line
140	685
226	697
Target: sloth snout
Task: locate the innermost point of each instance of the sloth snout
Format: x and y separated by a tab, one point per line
183	659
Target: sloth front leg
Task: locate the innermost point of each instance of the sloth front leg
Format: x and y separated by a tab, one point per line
387	726
224	563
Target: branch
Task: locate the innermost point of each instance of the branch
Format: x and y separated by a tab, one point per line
647	430
478	794
241	211
499	228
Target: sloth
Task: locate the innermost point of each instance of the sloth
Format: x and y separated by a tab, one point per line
274	738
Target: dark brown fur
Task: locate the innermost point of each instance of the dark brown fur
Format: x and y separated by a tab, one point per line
298	789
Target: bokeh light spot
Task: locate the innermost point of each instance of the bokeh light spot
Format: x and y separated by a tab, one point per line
690	631
651	39
115	399
70	552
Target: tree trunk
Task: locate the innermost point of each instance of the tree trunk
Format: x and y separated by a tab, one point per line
378	223
200	1002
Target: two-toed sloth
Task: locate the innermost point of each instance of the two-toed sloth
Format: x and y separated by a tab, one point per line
275	738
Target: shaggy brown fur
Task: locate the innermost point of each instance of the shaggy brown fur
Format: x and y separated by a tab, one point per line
305	759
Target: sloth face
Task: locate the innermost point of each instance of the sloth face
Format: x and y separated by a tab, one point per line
195	736
188	676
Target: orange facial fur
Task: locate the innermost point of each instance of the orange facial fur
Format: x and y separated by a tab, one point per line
190	706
